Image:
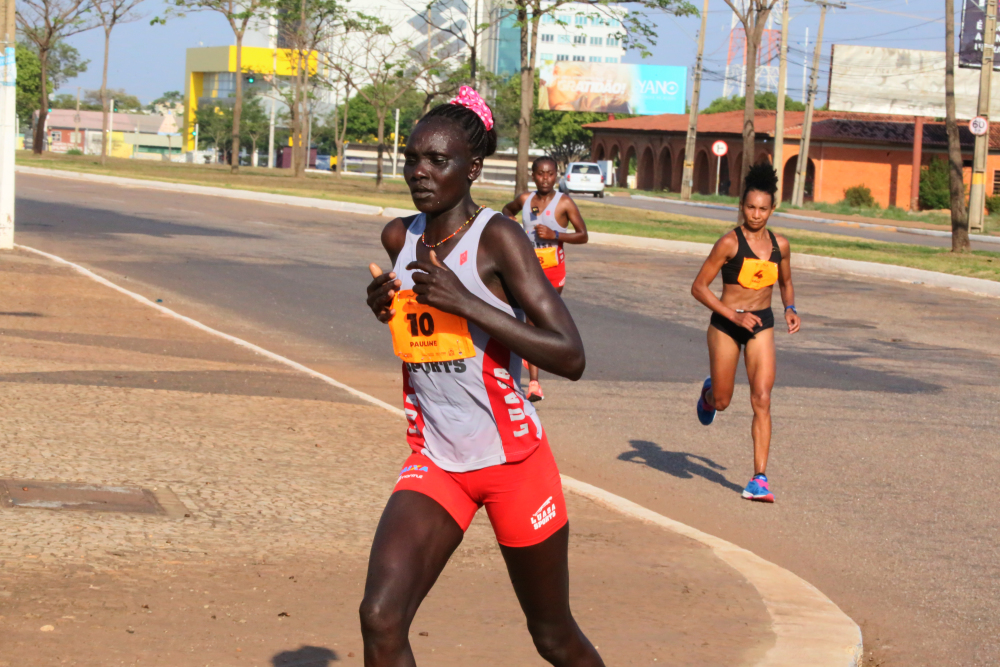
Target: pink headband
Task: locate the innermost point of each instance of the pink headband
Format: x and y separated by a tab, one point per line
467	97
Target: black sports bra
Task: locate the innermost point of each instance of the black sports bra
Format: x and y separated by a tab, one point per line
731	269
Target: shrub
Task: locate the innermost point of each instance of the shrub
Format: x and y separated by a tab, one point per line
934	186
859	196
74	151
993	204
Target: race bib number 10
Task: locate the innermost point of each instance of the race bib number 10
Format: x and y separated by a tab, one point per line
423	333
548	257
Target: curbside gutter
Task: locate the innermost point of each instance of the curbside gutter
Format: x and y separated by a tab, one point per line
810	630
904	274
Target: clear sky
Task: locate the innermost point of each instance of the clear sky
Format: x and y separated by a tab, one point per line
148	60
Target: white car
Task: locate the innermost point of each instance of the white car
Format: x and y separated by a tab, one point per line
582	177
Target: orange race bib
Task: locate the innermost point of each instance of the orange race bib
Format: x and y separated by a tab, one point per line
548	257
423	333
757	273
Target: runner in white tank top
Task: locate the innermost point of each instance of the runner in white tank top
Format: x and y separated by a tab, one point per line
453	302
546	216
494	423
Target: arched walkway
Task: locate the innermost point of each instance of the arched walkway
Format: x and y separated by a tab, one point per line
666	171
615	157
788	179
702	178
599	153
645	175
678	176
627	167
724	183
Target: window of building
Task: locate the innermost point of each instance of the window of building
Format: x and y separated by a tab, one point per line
612	41
561	57
564	18
578	59
581	20
546	57
56	135
580	39
611	59
564	39
996	182
596	41
595	59
548	38
548	18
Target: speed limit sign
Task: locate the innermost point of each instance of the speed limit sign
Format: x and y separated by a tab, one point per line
979	126
720	148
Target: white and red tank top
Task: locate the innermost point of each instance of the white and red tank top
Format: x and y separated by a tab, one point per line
471	413
546	217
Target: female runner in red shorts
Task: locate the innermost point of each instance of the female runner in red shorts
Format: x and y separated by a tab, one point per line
546	215
463	279
751	259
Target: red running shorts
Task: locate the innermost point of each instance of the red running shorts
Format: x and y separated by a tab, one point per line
524	500
556	275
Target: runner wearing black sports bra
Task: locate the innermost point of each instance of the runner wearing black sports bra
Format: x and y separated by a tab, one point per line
751	259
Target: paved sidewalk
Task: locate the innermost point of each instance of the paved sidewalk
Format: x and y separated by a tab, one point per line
275	482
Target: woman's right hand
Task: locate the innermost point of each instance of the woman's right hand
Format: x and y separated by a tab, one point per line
382	288
748	321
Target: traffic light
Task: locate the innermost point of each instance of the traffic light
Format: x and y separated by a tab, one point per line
250	77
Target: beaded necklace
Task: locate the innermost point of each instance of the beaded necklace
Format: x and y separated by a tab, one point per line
465	224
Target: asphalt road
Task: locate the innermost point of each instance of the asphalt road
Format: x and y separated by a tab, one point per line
779	220
885	455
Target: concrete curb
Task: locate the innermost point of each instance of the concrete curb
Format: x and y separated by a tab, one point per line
809	628
982	238
904	274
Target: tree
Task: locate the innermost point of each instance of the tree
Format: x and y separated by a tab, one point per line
167	102
111	13
238	13
44	23
753	15
561	134
767	100
215	127
638	32
29	91
468	28
934	185
956	185
123	101
389	66
255	123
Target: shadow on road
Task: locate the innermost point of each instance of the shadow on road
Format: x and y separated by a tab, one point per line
306	656
678	464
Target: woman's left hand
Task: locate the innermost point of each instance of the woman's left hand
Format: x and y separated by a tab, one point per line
436	285
793	321
545	233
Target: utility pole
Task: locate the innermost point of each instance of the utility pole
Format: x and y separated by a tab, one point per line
977	191
687	178
8	138
779	118
805	65
111	130
802	163
76	121
274	103
395	145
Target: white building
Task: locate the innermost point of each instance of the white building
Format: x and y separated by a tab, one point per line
581	32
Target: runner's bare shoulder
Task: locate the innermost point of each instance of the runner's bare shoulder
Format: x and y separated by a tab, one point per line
394	234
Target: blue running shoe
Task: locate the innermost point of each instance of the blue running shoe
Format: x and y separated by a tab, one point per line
759	490
706	415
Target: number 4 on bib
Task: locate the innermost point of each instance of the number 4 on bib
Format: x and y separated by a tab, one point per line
423	333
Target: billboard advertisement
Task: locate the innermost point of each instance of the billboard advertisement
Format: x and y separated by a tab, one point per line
970	43
873	79
612	88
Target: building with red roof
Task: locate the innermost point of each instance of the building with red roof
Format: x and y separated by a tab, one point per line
846	149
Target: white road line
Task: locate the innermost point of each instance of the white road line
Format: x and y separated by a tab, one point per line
810	630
